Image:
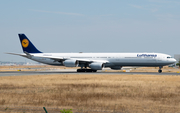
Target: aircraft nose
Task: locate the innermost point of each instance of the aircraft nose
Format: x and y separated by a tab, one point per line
174	60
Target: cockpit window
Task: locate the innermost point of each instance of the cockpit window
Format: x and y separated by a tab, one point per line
169	57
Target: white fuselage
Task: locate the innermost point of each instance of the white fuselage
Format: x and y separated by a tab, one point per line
110	59
95	61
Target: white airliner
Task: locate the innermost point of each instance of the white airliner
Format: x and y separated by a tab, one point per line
91	62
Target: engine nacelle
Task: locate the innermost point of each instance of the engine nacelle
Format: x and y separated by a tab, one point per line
96	66
71	63
116	67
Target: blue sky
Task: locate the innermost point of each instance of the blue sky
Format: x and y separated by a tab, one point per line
90	26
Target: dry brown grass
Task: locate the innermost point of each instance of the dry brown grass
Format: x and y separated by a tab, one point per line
32	68
155	69
147	69
131	93
48	67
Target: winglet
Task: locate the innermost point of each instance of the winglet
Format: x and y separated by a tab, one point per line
26	44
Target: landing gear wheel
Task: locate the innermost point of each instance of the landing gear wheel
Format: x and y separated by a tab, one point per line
86	70
78	70
160	67
94	70
160	71
81	70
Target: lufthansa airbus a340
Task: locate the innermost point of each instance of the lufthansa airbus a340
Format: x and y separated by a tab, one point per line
91	62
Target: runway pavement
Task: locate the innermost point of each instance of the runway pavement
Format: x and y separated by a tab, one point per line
72	71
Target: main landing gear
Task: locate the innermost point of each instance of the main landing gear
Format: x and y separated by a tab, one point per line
86	70
160	71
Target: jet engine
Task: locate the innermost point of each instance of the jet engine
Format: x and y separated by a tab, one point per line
96	66
71	63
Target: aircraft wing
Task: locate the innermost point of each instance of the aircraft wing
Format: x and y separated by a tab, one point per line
56	58
90	61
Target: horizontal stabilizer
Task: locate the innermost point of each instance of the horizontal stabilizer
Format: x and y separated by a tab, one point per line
24	55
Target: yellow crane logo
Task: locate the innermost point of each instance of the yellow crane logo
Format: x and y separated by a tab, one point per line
25	43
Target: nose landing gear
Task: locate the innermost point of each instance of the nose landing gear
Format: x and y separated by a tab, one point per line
160	71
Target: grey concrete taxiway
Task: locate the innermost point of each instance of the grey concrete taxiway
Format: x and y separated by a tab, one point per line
23	73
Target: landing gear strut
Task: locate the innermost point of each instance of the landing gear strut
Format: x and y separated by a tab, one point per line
86	70
160	71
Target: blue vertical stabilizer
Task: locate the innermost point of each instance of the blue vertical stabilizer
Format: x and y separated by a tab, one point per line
26	44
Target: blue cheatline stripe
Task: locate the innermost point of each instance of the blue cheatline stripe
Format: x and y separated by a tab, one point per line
26	44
